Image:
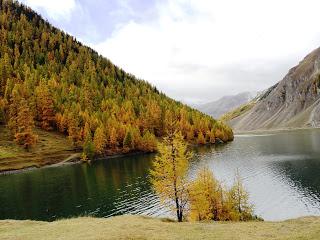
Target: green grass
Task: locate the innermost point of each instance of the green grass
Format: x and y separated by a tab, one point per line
51	148
238	111
137	227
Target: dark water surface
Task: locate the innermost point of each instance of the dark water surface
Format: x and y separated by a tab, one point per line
281	171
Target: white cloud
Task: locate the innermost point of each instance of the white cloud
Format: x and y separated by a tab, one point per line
56	9
204	49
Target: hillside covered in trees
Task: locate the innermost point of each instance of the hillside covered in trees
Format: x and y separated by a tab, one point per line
51	81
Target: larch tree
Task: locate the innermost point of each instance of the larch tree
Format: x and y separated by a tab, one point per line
205	197
61	78
238	197
2	106
45	108
201	140
128	142
99	140
169	173
25	124
88	145
149	142
113	139
74	131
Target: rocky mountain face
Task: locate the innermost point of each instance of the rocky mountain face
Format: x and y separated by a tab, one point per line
225	104
291	103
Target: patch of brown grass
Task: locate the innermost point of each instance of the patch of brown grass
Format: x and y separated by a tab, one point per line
51	148
137	227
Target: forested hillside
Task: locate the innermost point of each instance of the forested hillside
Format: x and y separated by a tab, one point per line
51	81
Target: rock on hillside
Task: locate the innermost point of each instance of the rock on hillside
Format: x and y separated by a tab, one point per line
291	103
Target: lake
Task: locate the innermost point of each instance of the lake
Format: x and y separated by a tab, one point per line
281	171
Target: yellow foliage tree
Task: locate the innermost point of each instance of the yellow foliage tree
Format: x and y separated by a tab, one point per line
201	140
45	107
205	198
210	201
113	139
149	142
169	173
238	200
25	124
99	140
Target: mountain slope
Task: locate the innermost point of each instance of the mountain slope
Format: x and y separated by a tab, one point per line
291	103
225	104
51	81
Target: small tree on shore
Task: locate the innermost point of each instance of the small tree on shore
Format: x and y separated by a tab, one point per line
210	201
205	196
169	173
238	199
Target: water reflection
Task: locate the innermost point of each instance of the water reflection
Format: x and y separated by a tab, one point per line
280	170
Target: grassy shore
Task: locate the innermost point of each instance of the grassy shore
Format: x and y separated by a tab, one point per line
52	148
138	227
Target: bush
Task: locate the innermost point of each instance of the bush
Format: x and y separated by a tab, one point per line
210	201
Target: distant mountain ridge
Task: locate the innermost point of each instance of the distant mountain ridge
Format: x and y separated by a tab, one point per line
291	103
225	104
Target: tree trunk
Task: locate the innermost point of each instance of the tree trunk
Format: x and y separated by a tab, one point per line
178	209
180	216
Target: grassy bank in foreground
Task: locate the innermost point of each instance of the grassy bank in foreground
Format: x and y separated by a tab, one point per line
138	227
52	148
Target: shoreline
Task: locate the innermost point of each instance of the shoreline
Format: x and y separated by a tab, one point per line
273	130
73	159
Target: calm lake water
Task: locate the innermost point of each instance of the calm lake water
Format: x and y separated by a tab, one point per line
281	171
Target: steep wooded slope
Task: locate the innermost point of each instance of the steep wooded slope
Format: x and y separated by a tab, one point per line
50	80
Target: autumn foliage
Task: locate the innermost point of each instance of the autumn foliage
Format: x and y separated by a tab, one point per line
168	174
201	199
68	87
209	200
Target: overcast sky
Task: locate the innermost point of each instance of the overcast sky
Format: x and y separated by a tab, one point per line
194	50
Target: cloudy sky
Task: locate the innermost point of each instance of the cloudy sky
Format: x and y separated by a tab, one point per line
194	50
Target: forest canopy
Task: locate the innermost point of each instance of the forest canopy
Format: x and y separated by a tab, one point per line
51	81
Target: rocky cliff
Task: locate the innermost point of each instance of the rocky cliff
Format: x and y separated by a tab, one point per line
291	103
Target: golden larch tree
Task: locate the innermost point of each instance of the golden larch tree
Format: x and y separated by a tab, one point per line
45	107
239	200
25	124
99	140
205	196
169	173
